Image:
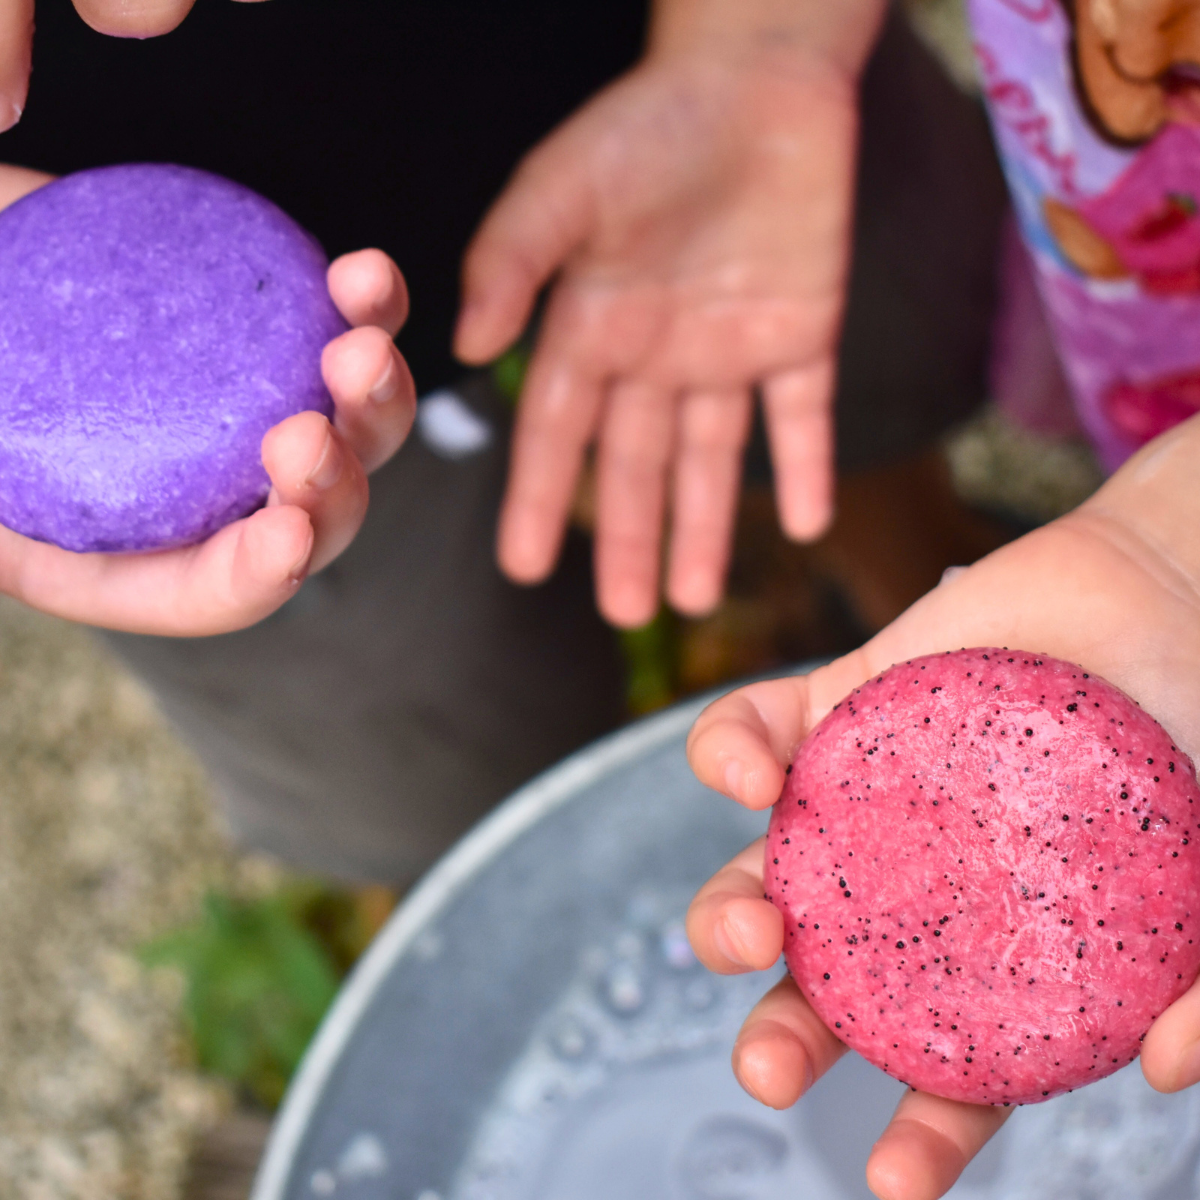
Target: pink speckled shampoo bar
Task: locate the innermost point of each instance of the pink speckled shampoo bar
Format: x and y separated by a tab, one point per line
155	322
989	871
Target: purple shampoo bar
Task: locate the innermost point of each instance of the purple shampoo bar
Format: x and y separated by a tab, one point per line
155	322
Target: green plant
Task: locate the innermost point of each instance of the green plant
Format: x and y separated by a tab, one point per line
258	982
508	371
651	664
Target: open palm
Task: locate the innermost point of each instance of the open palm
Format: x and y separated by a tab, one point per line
698	219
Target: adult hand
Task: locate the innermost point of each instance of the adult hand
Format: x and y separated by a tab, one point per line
1113	587
317	502
121	18
697	216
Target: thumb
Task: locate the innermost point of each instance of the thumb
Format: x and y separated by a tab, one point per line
540	218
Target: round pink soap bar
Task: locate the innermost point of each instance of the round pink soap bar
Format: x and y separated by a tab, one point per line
155	322
989	869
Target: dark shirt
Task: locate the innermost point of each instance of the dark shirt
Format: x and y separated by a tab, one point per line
389	123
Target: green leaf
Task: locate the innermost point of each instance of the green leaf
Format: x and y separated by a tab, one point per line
508	372
651	663
258	983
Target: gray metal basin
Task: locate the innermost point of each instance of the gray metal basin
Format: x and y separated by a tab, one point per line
530	1025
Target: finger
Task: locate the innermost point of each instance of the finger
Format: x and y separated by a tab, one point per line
783	1047
928	1144
368	289
741	744
730	926
133	18
713	430
556	419
542	215
16	182
235	578
313	469
636	437
373	392
1171	1050
798	406
16	51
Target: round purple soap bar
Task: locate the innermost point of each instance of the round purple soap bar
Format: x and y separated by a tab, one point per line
155	322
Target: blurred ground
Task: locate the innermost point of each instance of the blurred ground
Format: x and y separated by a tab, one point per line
109	847
107	838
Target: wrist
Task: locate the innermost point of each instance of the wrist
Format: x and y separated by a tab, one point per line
1148	516
834	35
1153	499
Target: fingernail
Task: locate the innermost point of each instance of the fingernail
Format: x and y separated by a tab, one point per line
10	113
728	946
735	776
387	385
1189	1066
329	466
739	1074
627	605
696	591
466	316
299	569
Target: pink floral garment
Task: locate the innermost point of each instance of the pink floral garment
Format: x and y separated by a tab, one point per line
1130	345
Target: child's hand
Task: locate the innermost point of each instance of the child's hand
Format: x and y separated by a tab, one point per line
695	218
316	505
1113	586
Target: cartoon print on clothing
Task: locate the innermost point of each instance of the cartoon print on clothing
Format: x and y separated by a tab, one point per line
1096	109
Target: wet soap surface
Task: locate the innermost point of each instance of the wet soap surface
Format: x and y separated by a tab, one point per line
988	867
155	322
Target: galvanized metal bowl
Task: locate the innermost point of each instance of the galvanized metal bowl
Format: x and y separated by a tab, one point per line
531	1025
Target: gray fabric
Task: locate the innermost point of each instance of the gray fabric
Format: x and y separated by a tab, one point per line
931	198
404	690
